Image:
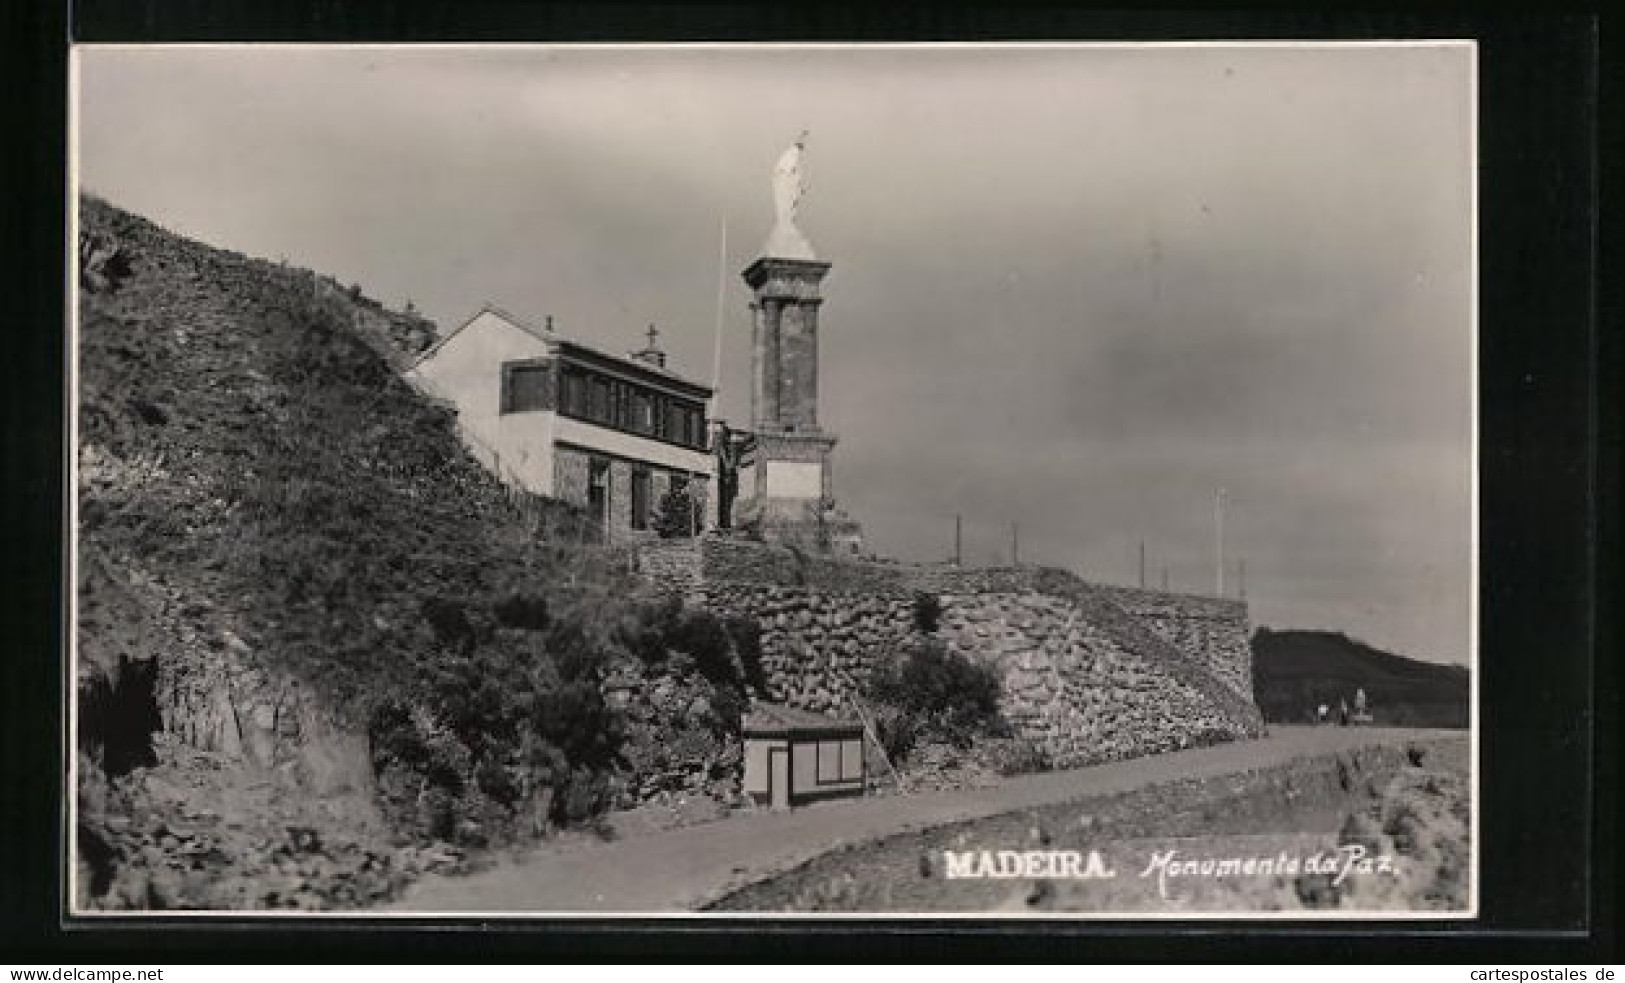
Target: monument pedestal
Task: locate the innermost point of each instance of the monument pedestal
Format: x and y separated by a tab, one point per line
789	495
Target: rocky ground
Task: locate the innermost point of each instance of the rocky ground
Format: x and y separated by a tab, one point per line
200	831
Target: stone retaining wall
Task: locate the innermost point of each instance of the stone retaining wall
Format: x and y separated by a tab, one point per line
818	646
1090	673
1083	692
1211	631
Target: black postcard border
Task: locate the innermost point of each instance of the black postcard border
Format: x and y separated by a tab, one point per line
1548	466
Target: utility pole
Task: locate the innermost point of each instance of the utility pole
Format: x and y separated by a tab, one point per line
1218	540
1241	577
1142	564
959	540
1015	545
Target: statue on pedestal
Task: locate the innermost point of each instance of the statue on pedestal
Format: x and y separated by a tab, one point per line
786	241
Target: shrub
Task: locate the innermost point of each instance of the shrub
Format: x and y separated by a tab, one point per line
645	629
576	648
703	636
897	730
452	628
948	696
523	610
728	706
927	613
1016	756
585	794
746	633
678	516
576	719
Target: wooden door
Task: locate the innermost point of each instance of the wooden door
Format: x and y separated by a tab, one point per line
778	777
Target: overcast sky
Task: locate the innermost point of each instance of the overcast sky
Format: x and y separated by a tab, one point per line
1073	288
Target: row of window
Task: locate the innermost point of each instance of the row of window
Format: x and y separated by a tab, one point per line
611	402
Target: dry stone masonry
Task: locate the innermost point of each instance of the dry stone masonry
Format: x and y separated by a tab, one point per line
1210	630
1089	673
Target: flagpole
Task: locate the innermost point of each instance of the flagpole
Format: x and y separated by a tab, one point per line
716	349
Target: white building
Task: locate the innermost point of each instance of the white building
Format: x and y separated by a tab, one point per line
610	433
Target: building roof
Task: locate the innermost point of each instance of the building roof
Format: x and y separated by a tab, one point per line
778	720
553	339
629	362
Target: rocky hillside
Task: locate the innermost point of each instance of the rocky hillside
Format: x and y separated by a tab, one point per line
302	605
1296	671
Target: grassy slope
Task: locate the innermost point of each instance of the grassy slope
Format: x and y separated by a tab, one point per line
250	447
1296	670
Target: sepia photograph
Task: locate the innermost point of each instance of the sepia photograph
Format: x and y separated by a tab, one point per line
989	481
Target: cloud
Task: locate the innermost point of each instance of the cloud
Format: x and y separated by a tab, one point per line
1075	289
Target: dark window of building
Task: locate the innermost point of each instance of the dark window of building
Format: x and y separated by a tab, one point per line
570	382
640	499
524	388
598	490
628	406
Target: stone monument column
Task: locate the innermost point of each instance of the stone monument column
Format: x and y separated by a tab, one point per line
790	491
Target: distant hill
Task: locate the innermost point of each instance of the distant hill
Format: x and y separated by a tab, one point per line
1294	671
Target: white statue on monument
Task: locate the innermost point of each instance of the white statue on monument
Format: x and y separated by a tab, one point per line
789	186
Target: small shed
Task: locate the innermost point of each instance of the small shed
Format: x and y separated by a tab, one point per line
793	756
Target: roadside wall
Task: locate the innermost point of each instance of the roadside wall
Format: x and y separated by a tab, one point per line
1210	631
1089	673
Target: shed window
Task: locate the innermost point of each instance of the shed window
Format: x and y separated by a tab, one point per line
829	761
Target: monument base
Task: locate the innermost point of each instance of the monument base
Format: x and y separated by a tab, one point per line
800	522
785	494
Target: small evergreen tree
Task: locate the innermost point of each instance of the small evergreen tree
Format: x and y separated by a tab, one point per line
679	515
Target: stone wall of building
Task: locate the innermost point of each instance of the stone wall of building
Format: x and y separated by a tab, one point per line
1090	673
571	473
620	495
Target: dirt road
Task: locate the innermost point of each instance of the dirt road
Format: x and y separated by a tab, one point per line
682	868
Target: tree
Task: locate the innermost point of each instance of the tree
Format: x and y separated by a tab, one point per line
679	515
